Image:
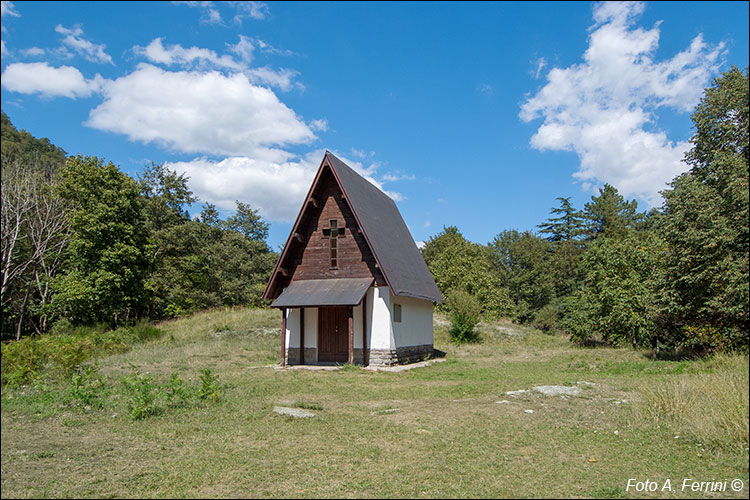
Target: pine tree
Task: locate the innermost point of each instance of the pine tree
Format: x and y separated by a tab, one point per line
610	215
568	226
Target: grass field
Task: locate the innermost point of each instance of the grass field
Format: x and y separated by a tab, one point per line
436	431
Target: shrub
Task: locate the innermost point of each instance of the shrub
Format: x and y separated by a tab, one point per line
209	386
87	388
142	392
62	353
547	318
178	395
464	313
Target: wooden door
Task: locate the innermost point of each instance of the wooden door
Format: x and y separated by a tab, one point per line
333	334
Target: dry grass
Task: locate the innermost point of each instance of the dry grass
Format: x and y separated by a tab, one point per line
430	432
710	406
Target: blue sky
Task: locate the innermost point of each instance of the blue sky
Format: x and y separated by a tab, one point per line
477	115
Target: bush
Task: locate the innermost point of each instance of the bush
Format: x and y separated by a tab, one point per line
87	388
547	318
61	354
209	386
142	392
464	313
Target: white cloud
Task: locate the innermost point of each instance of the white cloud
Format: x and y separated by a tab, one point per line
276	188
92	52
4	52
244	49
604	108
397	176
486	88
156	52
241	10
32	52
204	59
319	125
270	49
199	112
254	10
7	9
41	78
282	78
210	13
541	63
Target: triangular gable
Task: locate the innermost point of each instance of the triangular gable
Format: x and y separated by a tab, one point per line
383	228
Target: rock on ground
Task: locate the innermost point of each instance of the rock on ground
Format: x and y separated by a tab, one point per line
557	390
293	412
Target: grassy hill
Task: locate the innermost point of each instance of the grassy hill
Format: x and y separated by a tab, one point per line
447	430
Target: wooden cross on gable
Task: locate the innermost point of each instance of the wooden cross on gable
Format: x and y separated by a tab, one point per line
333	230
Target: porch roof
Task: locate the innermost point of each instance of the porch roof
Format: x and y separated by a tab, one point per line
329	292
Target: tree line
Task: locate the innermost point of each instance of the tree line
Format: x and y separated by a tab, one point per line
84	243
674	277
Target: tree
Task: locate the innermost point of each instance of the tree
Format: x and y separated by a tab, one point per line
34	228
165	196
568	226
616	303
247	222
209	215
458	264
706	223
521	260
107	254
609	214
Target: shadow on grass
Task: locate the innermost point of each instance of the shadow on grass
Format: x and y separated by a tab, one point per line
673	354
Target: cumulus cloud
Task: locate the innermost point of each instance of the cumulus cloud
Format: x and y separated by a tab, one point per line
41	78
204	59
199	112
276	189
605	108
73	39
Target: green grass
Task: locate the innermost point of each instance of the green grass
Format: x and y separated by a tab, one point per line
430	432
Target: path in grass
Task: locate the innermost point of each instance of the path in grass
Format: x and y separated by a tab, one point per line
437	431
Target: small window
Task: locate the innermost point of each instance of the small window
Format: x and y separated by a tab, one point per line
397	313
333	240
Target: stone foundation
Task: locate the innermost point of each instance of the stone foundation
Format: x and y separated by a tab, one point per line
292	356
400	355
377	357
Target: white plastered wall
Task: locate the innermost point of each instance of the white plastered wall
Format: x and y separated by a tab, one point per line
415	327
380	327
382	332
311	327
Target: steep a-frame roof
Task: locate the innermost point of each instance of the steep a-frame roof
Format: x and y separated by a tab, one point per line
383	228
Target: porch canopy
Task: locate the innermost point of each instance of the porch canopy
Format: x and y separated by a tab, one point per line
328	292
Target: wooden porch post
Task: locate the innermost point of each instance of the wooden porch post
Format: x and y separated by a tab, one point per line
283	336
351	335
302	335
364	331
